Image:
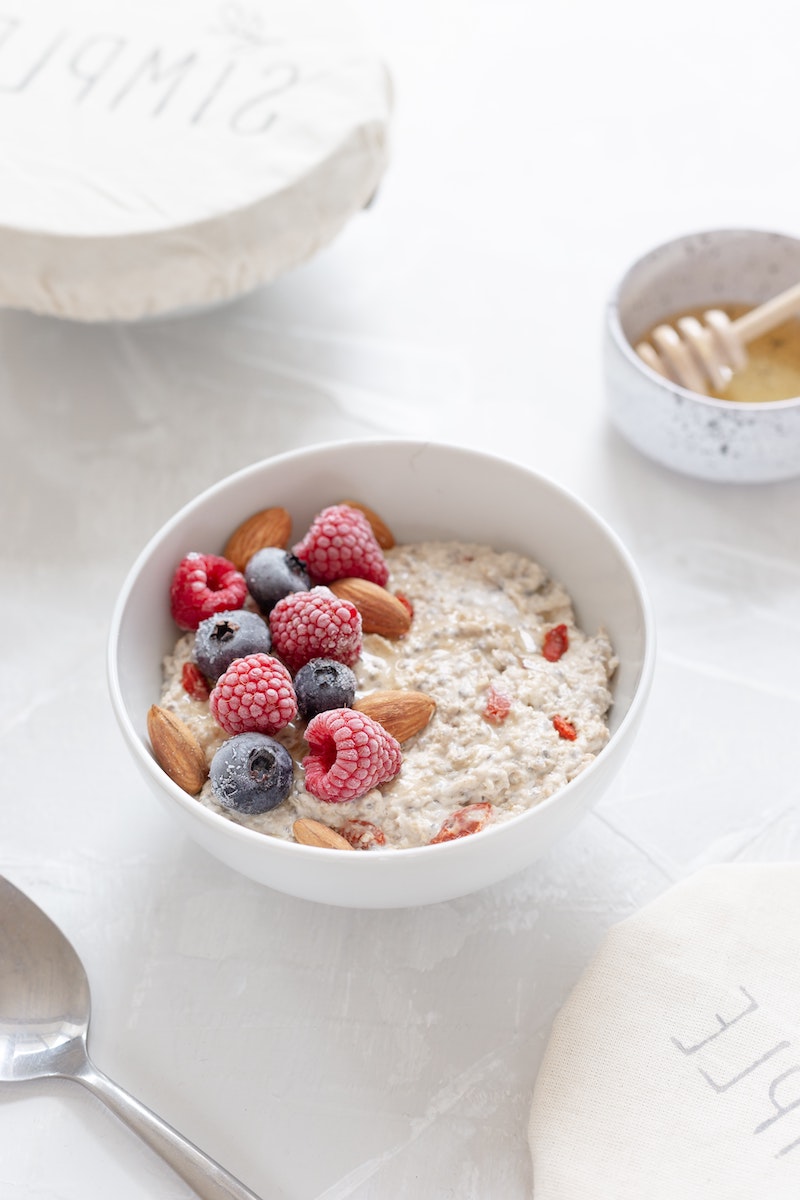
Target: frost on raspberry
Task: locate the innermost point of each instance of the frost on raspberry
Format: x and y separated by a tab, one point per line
254	695
315	624
202	585
340	544
362	835
497	707
350	755
470	819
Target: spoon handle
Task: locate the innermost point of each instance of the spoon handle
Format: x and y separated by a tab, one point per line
208	1179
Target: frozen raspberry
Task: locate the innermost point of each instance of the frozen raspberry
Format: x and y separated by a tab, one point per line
350	755
315	624
254	695
204	584
339	545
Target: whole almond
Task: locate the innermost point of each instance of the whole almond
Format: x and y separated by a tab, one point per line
176	749
270	527
314	833
383	534
402	714
381	611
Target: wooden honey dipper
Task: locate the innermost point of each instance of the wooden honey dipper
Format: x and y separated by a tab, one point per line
697	355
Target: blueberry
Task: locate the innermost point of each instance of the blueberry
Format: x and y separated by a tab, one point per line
273	573
323	684
226	636
251	773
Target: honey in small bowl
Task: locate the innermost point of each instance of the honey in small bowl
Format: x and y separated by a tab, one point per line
772	371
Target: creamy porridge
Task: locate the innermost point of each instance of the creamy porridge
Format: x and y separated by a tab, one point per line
510	727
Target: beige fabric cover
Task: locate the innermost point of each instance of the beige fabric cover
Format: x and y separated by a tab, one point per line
158	156
673	1070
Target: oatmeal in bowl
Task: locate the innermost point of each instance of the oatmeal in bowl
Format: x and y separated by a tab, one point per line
423	654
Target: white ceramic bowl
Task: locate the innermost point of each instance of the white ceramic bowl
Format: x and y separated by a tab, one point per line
422	490
721	440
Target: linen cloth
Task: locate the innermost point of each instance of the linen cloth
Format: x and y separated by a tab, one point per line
673	1069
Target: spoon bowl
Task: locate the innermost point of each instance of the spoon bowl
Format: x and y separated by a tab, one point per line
44	1020
44	993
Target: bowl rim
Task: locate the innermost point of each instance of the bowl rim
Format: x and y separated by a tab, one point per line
236	832
614	325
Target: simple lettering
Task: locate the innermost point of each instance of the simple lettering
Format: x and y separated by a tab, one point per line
8	26
38	65
752	1005
781	1104
110	72
780	1109
251	117
723	1087
152	71
211	96
93	59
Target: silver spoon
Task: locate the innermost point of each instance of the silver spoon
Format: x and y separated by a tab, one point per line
44	1019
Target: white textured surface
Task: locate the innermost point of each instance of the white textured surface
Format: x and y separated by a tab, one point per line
325	1053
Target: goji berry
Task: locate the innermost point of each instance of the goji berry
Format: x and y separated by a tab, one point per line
470	819
406	603
194	681
556	643
564	729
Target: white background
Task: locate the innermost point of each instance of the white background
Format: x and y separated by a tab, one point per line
537	149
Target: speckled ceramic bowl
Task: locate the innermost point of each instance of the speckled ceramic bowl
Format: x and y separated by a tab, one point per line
722	440
423	490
